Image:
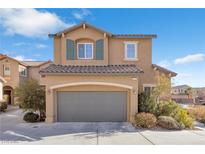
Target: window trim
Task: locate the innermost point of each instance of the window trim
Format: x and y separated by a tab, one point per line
136	50
148	85
23	68
85	51
7	66
23	75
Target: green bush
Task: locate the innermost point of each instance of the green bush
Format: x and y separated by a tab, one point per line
145	120
3	106
31	97
183	118
168	122
6	98
170	108
146	103
31	117
165	108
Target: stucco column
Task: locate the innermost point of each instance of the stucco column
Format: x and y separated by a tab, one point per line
134	104
49	106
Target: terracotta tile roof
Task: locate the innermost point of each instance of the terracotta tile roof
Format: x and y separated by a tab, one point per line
164	70
134	36
2	56
103	31
107	69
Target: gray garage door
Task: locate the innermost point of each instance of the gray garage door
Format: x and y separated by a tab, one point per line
92	106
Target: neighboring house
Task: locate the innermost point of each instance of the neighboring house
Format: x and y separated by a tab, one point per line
180	94
200	95
97	75
179	90
15	72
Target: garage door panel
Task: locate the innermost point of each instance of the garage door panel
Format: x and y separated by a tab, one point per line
92	106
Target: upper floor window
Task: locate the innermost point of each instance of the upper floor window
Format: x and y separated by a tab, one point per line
23	71
7	71
85	50
130	50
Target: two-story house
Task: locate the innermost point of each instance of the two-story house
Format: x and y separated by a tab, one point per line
179	90
15	72
97	75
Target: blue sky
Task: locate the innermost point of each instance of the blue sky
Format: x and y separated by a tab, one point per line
180	45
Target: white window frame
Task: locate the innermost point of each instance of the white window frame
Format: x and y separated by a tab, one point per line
20	71
149	85
7	66
85	50
136	51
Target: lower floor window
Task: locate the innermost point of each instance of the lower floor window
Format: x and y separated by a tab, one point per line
148	89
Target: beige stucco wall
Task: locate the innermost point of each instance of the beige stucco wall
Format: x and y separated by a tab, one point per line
114	52
79	34
13	80
33	72
49	81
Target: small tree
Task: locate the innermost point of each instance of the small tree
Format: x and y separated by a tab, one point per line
31	96
192	94
163	88
189	92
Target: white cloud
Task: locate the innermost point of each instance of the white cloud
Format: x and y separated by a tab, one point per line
190	58
81	14
22	58
19	44
184	75
164	63
30	22
41	46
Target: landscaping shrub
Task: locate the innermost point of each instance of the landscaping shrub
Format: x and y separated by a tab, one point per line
165	108
168	122
31	97
6	98
183	118
145	120
31	117
197	112
172	109
3	106
146	103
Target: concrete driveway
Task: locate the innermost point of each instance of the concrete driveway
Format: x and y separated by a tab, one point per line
15	131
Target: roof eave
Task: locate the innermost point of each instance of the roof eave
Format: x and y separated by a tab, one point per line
139	36
121	74
173	74
75	27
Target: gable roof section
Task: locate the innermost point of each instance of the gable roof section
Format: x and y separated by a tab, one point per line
173	74
103	31
90	69
76	27
2	56
26	63
36	63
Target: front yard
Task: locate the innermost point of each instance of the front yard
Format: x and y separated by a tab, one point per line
14	130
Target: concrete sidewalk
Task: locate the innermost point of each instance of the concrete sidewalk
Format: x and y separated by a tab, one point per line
13	130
